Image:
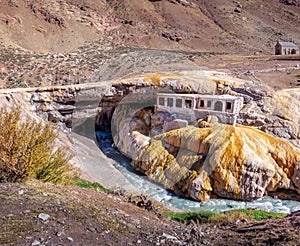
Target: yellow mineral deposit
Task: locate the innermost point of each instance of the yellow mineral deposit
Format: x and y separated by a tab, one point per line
241	162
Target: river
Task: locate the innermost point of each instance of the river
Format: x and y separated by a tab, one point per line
157	192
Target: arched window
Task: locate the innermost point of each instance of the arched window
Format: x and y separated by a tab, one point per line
218	106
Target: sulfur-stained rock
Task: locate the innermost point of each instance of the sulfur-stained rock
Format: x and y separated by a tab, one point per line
241	162
200	187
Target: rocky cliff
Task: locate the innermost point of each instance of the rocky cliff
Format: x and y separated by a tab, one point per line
241	163
277	113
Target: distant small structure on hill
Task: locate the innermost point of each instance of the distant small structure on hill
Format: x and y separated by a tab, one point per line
286	48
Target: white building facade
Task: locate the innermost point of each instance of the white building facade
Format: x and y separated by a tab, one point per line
196	106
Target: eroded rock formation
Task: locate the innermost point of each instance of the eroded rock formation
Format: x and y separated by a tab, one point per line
216	160
277	114
241	163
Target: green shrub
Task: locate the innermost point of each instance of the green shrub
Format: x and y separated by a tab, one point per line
87	184
28	150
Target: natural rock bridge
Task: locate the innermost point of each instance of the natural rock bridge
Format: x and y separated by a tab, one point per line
77	108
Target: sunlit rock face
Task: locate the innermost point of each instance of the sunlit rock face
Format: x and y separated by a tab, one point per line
277	114
215	160
241	163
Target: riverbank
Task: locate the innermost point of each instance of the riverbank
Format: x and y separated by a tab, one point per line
45	214
157	192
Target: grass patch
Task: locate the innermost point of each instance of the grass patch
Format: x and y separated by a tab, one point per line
82	183
262	215
202	216
226	217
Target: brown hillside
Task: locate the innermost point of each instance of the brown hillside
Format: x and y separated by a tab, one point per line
217	25
91	217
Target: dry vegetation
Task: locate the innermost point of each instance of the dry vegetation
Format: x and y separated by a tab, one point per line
28	150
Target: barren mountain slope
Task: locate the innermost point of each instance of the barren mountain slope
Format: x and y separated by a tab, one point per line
48	26
202	25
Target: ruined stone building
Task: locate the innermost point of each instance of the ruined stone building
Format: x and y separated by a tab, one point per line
286	48
197	106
